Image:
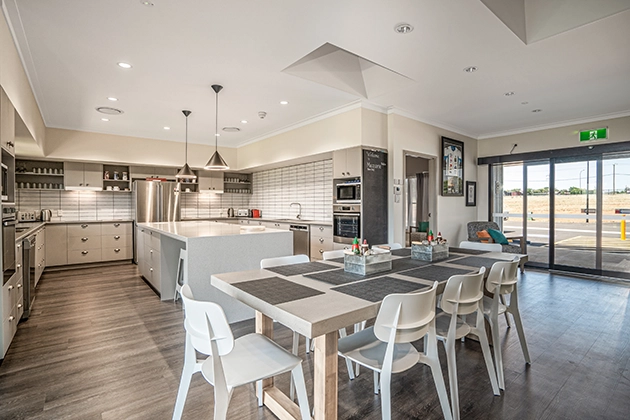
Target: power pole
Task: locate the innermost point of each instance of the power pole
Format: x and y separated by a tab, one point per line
614	190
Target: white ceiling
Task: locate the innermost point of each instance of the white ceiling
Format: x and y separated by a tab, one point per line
178	48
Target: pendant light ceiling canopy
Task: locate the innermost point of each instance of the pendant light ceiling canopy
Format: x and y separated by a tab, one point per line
216	162
186	172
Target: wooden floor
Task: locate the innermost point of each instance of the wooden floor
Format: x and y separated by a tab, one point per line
101	345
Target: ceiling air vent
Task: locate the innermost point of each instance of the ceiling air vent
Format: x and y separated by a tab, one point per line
109	110
231	129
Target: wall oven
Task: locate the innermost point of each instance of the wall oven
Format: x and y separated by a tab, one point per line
8	242
346	223
348	191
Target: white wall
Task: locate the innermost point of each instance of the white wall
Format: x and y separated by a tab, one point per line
407	135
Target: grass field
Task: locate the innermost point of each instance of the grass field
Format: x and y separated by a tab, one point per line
566	204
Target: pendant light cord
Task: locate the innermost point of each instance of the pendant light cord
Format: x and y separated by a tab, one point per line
186	157
216	124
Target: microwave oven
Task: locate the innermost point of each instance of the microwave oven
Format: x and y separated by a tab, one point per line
348	191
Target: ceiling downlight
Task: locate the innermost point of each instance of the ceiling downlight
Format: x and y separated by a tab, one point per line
471	69
231	129
109	110
403	28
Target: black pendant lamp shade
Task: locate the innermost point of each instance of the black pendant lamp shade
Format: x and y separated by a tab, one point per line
186	172
216	162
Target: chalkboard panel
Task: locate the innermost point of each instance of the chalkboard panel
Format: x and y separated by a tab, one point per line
374	197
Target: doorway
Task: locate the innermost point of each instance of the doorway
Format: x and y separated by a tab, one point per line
418	196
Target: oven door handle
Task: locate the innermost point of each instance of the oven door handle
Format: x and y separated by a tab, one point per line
10	223
347	214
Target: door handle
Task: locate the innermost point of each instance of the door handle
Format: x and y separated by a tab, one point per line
84	239
84	226
321	240
117	250
84	252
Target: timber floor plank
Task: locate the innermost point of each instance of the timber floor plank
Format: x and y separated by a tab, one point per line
101	345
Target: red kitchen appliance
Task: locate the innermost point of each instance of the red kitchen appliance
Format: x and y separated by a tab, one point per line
256	213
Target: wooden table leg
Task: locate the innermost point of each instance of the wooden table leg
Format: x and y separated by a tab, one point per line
325	377
264	326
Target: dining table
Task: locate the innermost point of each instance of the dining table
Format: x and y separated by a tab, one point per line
317	299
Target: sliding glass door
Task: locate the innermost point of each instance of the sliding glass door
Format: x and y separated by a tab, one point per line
615	247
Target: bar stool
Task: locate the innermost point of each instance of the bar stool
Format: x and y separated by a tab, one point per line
182	273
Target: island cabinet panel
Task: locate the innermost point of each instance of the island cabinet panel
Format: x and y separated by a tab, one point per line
149	257
57	249
321	240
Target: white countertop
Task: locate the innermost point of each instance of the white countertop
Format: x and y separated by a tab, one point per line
201	229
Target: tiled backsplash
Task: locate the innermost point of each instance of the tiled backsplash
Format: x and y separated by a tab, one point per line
309	184
77	205
274	190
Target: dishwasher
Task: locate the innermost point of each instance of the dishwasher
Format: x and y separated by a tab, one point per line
301	239
28	274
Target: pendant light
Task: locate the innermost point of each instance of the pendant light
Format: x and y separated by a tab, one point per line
216	162
186	172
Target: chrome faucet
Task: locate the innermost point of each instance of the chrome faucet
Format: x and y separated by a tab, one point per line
299	216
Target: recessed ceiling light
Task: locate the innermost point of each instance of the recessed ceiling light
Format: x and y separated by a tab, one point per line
470	69
284	103
104	119
536	110
243	121
524	103
167	128
231	129
125	65
403	28
109	110
146	3
509	93
111	98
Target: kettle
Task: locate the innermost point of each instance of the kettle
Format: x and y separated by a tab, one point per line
230	212
46	215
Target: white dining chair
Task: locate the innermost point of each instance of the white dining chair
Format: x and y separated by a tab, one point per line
391	246
502	282
480	246
231	363
181	278
463	295
386	347
329	255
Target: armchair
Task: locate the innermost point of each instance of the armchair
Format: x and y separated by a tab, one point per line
474	227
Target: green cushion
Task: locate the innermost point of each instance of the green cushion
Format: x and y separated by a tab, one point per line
498	237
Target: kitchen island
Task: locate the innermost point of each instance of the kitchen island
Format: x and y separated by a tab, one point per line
211	248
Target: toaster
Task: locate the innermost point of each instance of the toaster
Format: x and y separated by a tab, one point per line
242	213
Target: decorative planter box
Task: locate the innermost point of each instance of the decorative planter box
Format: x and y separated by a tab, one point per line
429	252
381	260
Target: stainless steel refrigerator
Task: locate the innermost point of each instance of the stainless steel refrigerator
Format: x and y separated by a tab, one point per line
417	201
154	201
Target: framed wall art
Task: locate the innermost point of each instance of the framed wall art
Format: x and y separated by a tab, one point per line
452	167
471	193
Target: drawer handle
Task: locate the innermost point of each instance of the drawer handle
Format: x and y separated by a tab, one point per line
11	318
19	245
321	240
321	251
19	285
19	266
84	226
116	224
321	228
117	237
10	287
150	269
151	251
19	305
117	250
84	252
84	239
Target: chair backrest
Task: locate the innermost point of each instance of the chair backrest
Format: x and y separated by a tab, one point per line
329	255
480	246
392	246
472	292
478	226
504	273
288	260
196	323
417	311
182	268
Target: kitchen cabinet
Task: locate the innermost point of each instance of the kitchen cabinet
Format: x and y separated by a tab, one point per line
211	182
347	163
116	241
77	174
149	257
39	174
116	176
236	182
56	234
321	240
7	123
144	172
277	225
84	243
11	303
40	253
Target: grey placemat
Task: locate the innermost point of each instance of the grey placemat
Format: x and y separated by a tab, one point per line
403	252
275	290
339	276
337	260
298	269
477	262
375	290
435	272
466	251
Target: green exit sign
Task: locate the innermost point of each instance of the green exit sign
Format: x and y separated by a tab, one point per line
597	134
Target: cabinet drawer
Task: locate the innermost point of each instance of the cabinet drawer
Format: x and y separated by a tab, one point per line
116	241
79	243
116	228
321	230
151	256
84	229
319	245
9	327
155	241
84	256
8	298
116	253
